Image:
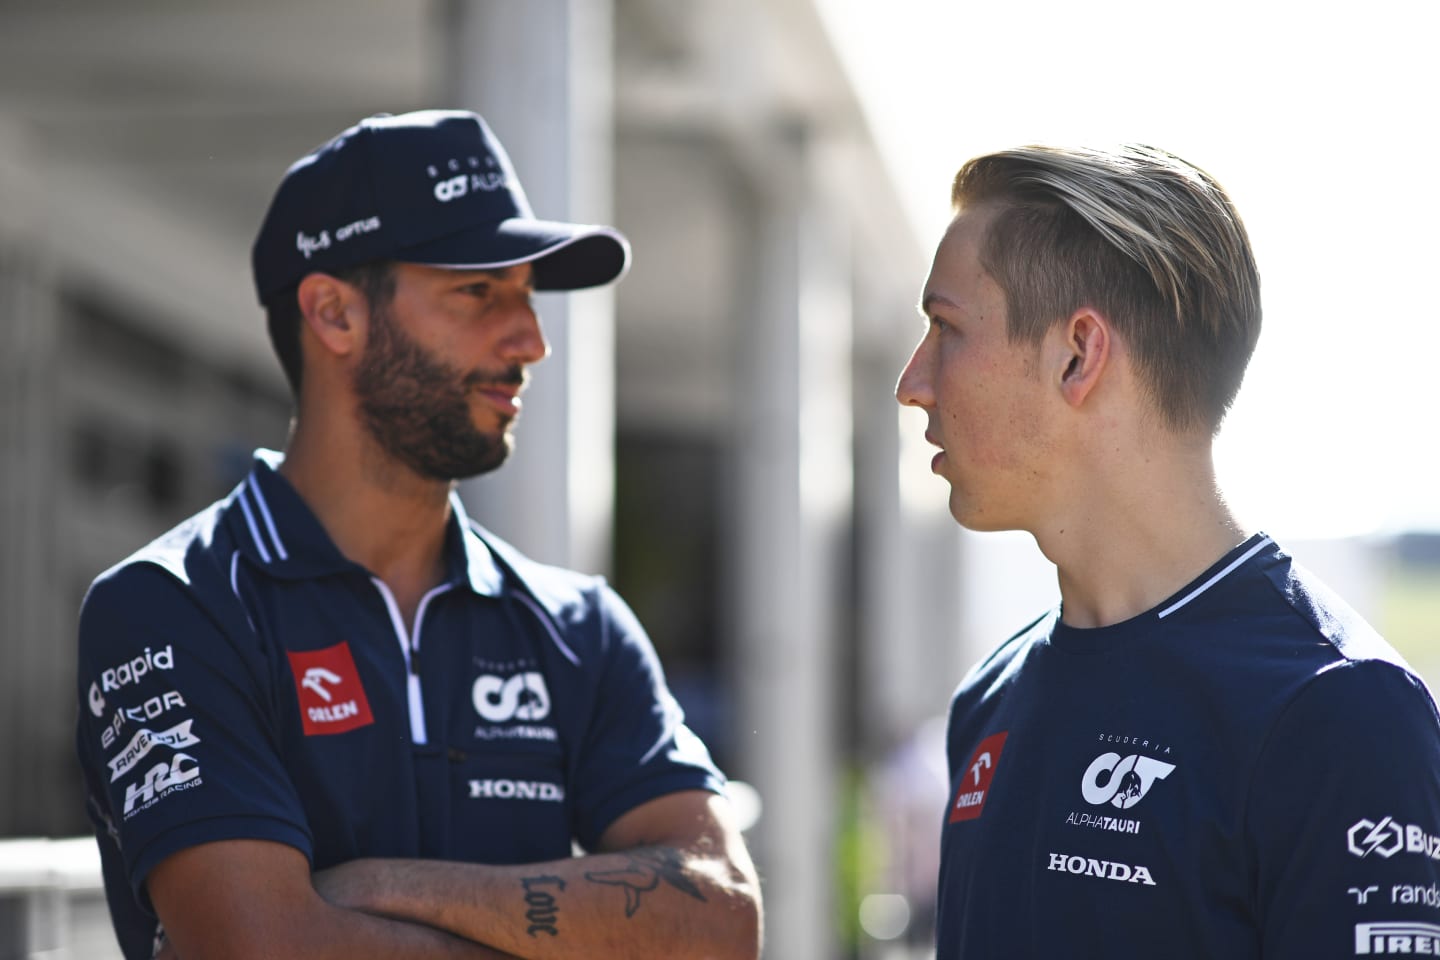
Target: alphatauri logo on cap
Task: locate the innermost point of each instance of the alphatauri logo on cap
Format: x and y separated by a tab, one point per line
332	699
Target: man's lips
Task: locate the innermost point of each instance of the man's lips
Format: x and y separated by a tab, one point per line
503	398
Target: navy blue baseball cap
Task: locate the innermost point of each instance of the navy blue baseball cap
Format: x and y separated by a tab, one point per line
432	187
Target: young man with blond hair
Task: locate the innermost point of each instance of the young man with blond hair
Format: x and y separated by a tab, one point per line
1202	752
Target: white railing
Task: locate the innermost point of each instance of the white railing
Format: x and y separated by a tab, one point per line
52	902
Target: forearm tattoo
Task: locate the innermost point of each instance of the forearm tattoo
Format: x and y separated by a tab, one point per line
542	910
647	867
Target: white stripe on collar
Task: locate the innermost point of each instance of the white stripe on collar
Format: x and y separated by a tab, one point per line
250	521
1229	568
269	520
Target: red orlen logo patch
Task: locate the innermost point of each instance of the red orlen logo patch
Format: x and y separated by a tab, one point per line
975	778
331	697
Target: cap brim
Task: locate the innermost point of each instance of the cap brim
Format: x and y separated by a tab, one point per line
566	256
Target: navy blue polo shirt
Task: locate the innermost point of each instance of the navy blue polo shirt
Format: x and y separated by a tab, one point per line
240	678
1247	770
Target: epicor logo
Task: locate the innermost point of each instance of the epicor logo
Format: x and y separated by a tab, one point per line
161	779
521	697
1387	838
148	710
1122	781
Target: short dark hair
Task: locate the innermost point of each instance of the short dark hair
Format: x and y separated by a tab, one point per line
376	280
1139	234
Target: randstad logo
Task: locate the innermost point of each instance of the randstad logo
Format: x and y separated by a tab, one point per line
1122	781
521	697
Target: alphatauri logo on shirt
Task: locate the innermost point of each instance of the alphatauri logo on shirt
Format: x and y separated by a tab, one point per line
332	699
1122	781
975	778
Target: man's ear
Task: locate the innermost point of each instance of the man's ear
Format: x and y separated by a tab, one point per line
1084	354
334	312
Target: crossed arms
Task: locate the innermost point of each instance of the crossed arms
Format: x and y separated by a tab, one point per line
671	878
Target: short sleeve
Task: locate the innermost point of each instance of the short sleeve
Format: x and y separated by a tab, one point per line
1344	818
636	747
175	735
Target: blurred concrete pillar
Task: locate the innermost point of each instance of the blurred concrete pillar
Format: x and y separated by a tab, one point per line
540	73
37	685
794	494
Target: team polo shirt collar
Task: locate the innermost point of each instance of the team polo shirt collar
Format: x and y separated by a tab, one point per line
278	532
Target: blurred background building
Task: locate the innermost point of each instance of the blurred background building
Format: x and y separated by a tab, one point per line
717	433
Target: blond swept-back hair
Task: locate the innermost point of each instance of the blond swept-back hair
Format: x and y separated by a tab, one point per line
1145	238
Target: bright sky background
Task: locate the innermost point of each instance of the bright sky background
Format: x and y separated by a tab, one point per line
1320	121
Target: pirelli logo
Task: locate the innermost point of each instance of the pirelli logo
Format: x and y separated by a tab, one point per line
1381	939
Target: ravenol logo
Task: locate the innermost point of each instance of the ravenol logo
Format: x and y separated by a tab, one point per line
1122	781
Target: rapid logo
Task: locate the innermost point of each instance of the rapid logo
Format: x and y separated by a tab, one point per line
976	777
327	683
1391	938
1387	838
521	697
179	773
130	672
1105	869
146	740
1122	781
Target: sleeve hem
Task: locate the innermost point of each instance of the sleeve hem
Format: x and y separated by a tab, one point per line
634	795
209	831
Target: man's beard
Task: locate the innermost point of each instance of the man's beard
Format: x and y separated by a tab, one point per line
417	407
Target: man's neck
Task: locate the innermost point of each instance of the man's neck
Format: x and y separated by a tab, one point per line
1133	537
379	513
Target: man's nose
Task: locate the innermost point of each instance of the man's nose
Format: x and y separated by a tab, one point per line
913	388
525	341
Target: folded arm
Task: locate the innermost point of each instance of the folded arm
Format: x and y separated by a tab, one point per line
253	900
672	878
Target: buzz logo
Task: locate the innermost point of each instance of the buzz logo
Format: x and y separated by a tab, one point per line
521	697
1387	838
179	773
1122	781
97	700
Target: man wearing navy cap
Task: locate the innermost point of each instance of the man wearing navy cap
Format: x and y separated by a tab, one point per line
330	715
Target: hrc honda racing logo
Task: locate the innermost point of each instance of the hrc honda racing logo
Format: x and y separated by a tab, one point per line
180	772
332	700
1387	838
